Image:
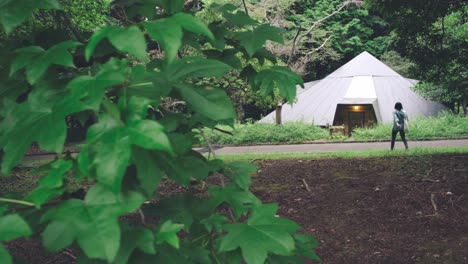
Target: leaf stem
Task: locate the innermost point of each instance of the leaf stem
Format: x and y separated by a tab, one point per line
210	147
8	200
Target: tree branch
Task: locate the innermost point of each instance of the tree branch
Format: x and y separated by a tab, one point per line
294	45
245	7
299	37
321	46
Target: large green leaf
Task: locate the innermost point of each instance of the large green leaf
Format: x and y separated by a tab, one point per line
239	200
93	223
134	238
184	169
44	113
281	77
50	185
240	172
12	227
253	40
148	172
184	209
262	234
195	67
149	134
14	12
92	88
211	102
167	233
37	61
130	40
168	32
112	156
5	257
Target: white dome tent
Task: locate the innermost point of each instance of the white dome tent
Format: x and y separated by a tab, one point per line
360	93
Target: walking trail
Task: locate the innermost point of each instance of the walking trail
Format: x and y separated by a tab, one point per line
335	147
309	148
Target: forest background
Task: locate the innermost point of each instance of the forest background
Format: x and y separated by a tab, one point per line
423	40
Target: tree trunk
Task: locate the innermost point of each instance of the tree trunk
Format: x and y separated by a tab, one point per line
278	114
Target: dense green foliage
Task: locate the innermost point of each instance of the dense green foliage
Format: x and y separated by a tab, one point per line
352	30
432	34
143	82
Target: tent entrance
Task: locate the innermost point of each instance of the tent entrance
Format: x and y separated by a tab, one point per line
353	116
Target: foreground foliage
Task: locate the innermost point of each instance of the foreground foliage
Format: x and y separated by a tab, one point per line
139	137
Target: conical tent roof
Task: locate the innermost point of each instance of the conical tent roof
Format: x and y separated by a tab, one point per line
363	80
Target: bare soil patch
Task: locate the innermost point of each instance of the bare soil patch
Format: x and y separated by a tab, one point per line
375	210
382	210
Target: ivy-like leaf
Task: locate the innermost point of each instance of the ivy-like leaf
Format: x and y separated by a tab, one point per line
263	233
112	158
238	19
92	88
149	134
168	32
5	257
167	233
54	178
148	172
285	79
254	40
134	238
240	172
44	113
130	40
37	60
194	67
240	200
211	102
93	223
14	12
12	227
184	209
184	169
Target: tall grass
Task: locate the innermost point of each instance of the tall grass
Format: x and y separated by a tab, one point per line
445	125
249	134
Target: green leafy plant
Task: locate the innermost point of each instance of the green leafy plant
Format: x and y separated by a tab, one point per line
138	140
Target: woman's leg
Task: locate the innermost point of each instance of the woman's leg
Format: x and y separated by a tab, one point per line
394	133
403	138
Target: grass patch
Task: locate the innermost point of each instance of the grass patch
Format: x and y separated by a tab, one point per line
251	134
445	125
347	155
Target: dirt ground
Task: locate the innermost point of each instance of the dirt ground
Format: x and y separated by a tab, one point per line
383	210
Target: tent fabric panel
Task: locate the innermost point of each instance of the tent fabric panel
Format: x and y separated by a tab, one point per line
361	87
363	64
315	105
397	89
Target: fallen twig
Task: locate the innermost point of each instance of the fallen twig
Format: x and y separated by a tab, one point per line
306	185
68	253
436	213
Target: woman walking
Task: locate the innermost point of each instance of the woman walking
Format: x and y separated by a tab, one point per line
399	117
